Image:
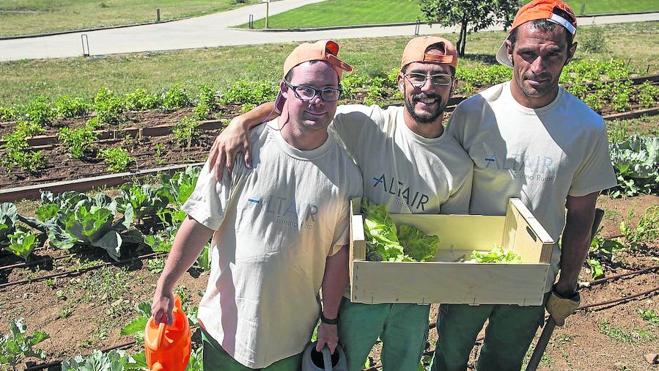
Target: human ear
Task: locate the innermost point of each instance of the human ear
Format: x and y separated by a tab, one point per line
283	88
570	53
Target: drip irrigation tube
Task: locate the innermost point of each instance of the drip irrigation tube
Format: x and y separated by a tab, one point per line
82	270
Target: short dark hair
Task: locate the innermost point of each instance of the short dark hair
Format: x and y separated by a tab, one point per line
546	26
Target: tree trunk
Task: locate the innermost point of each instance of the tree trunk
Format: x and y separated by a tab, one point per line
462	38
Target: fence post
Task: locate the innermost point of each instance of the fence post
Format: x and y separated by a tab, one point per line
157	15
85	40
417	27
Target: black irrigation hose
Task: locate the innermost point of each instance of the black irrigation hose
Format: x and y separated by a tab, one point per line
614	277
83	270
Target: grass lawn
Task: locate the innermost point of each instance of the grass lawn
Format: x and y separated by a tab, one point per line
583	7
344	13
22	17
23	80
355	12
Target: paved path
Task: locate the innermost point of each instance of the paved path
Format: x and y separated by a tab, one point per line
212	31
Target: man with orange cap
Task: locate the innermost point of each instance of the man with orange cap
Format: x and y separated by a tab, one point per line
407	164
529	138
279	229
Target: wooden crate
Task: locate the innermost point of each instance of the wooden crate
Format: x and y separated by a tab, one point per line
444	280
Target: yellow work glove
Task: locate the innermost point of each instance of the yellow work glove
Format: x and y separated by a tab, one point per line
560	308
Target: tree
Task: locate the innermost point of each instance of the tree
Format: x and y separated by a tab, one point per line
471	15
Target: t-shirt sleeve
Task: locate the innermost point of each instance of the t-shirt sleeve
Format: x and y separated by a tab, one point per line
595	172
210	199
342	229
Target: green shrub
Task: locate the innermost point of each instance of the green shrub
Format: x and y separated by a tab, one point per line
175	97
593	41
78	141
108	106
67	107
8	113
206	102
647	95
250	92
39	111
140	99
185	130
17	149
117	159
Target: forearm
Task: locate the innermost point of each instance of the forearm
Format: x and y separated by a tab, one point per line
575	242
257	115
335	282
188	243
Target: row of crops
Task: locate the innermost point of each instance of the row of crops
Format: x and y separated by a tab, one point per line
76	121
140	215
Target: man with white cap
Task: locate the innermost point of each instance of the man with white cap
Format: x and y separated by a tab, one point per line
280	230
529	138
407	164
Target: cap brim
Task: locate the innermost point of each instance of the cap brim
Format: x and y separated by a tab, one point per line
502	55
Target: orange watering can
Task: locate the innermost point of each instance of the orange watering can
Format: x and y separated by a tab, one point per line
167	347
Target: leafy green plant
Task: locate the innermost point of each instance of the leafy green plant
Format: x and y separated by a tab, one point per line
146	200
8	113
646	229
636	162
647	95
206	102
108	106
39	111
387	242
250	92
21	243
601	252
185	131
625	336
67	107
79	141
117	159
78	219
175	97
203	261
114	360
17	149
649	315
8	219
136	327
17	345
140	99
496	255
181	185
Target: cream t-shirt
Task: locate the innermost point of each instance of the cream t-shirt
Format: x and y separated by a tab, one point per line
405	171
275	225
539	155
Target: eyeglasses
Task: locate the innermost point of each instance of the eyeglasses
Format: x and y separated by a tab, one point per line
307	93
418	80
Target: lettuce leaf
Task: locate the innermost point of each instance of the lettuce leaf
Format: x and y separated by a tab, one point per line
496	255
385	242
416	244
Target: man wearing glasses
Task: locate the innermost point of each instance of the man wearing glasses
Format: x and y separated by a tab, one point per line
406	164
280	230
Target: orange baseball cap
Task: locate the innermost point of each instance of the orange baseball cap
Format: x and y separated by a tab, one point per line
417	51
323	50
555	11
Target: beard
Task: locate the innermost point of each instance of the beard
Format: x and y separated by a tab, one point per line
425	117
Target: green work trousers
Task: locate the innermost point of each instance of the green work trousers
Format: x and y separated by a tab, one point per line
403	329
216	359
509	333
